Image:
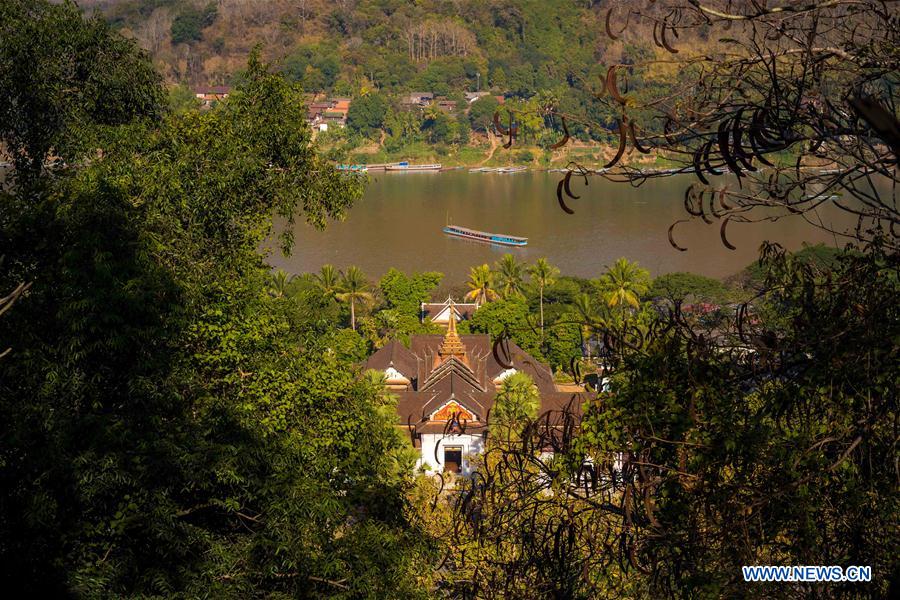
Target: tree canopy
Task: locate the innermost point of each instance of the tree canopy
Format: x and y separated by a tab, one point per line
168	427
63	79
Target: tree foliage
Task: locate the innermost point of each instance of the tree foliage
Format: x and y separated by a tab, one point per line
168	428
405	293
367	113
769	440
73	77
518	400
189	23
682	287
481	113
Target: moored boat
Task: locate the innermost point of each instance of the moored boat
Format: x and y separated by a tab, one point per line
484	236
405	166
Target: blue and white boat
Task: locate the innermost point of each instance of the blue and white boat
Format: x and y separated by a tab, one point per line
483	236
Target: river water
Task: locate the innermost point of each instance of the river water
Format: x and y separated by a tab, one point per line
398	224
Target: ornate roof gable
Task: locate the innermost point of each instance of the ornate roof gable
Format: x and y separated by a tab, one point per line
451	409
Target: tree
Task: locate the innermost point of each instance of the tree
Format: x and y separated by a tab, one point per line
163	419
438	126
543	274
563	341
316	67
510	275
182	99
354	288
508	318
329	280
517	401
367	113
681	286
481	282
406	293
591	320
481	113
189	23
78	80
775	430
623	284
6	303
278	283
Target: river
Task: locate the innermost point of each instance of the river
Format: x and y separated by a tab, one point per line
398	224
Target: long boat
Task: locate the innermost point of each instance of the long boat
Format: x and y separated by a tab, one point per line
405	166
483	236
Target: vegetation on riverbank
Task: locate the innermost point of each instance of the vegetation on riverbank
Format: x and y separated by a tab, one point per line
513	301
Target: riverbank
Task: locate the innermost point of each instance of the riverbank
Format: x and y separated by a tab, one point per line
488	151
487	155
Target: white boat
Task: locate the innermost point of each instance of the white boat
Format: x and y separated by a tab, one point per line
405	166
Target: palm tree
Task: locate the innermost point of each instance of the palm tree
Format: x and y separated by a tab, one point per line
623	284
510	275
329	280
590	319
481	285
542	274
278	283
354	288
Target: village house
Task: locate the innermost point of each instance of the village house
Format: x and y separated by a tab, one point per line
445	105
315	113
324	113
446	386
208	95
473	96
420	99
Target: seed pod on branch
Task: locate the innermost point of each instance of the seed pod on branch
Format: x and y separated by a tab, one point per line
565	138
612	87
621	150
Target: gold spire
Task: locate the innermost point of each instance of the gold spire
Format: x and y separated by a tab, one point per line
452	345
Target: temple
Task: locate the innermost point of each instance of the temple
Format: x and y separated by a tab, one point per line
446	386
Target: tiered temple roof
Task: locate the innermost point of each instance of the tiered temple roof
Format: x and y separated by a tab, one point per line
458	374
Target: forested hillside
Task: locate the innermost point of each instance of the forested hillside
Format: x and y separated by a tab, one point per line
521	48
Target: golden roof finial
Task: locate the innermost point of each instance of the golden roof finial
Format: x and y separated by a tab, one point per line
452	345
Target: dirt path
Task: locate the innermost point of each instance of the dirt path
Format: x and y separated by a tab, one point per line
494	144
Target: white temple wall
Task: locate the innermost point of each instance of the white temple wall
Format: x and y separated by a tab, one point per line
471	445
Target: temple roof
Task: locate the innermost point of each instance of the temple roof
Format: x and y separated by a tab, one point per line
397	356
416	407
463	369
